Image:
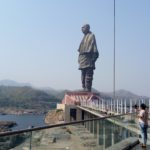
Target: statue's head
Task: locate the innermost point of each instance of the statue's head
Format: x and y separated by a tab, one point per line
85	28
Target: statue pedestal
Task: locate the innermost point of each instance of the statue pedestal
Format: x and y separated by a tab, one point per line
75	97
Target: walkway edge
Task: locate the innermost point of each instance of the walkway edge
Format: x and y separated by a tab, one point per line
126	144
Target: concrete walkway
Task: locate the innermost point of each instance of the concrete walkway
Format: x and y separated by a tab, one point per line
70	138
138	147
126	144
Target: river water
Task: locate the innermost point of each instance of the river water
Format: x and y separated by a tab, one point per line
24	121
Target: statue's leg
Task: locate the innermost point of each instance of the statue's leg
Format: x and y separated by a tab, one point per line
88	79
83	73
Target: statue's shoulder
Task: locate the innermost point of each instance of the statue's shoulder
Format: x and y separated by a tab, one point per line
91	35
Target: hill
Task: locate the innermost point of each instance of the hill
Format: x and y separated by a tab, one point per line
123	94
7	82
57	93
120	94
18	96
26	98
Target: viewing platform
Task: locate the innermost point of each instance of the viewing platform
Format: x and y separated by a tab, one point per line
84	121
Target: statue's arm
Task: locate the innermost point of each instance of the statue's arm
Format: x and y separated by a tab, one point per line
93	48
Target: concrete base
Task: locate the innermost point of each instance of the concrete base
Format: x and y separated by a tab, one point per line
73	99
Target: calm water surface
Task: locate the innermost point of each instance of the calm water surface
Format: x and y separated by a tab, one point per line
24	121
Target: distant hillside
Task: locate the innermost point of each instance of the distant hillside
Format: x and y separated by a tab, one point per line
57	93
120	94
26	98
126	94
7	82
22	95
123	94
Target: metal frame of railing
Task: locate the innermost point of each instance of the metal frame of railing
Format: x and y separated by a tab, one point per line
113	105
58	125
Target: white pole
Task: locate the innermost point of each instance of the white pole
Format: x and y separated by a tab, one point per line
130	106
121	107
125	106
117	106
114	106
111	106
107	105
149	105
102	104
119	101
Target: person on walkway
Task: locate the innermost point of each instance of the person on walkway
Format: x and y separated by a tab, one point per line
143	122
88	55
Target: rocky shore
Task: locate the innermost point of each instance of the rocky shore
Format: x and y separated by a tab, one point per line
6	125
7	142
54	116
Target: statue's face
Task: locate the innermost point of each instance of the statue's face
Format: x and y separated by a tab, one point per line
85	29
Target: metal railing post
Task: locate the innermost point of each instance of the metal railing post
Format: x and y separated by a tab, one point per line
30	146
30	141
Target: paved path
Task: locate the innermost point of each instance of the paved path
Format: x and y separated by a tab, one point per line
70	138
138	147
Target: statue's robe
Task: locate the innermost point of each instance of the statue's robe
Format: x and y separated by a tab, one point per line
88	52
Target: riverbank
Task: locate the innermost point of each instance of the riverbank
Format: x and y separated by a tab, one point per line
7	125
54	116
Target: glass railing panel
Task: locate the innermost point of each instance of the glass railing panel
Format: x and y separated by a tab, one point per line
11	141
120	128
89	135
129	121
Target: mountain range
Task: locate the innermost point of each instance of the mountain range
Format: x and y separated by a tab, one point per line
22	95
8	82
60	93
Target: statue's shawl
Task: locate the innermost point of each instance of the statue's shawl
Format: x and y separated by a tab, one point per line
88	52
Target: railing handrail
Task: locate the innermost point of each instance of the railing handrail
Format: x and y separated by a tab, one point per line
58	125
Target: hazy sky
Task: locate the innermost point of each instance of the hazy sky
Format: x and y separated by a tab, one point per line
39	41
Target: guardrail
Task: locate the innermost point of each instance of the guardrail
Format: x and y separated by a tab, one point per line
95	133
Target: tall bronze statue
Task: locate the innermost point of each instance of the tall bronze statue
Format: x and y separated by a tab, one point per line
88	55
